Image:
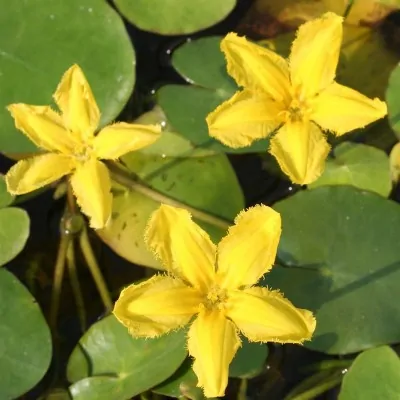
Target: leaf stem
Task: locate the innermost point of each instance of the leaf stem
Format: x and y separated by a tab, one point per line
59	269
318	389
126	179
328	364
94	269
242	390
76	287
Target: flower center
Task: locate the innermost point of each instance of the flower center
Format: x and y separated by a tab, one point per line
216	297
298	109
84	153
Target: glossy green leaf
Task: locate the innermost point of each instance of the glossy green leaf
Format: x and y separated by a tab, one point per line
5	198
206	183
342	246
247	363
182	383
25	340
110	362
174	17
375	374
97	388
14	232
249	360
170	144
357	165
187	106
40	40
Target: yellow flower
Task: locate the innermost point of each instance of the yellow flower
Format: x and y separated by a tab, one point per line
215	284
296	98
73	148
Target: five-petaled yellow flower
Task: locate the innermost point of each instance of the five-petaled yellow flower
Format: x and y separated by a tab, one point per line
295	97
216	285
73	148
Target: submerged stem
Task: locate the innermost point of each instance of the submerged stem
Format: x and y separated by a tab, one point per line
317	389
94	268
126	179
76	287
59	269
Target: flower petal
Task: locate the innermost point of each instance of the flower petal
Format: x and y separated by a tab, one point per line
92	187
43	126
256	68
182	246
248	251
315	54
33	173
300	149
340	109
213	342
263	315
156	306
244	118
75	99
118	139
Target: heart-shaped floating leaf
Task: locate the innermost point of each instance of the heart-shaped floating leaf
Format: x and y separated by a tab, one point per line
249	360
5	198
174	17
187	106
247	363
342	246
206	183
170	144
110	362
14	232
25	341
357	165
374	374
40	40
183	383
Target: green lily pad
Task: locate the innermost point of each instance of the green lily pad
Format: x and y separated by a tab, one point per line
341	245
174	17
249	360
40	40
187	106
206	183
247	363
97	388
108	360
170	144
181	384
357	165
5	198
14	232
25	340
374	374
